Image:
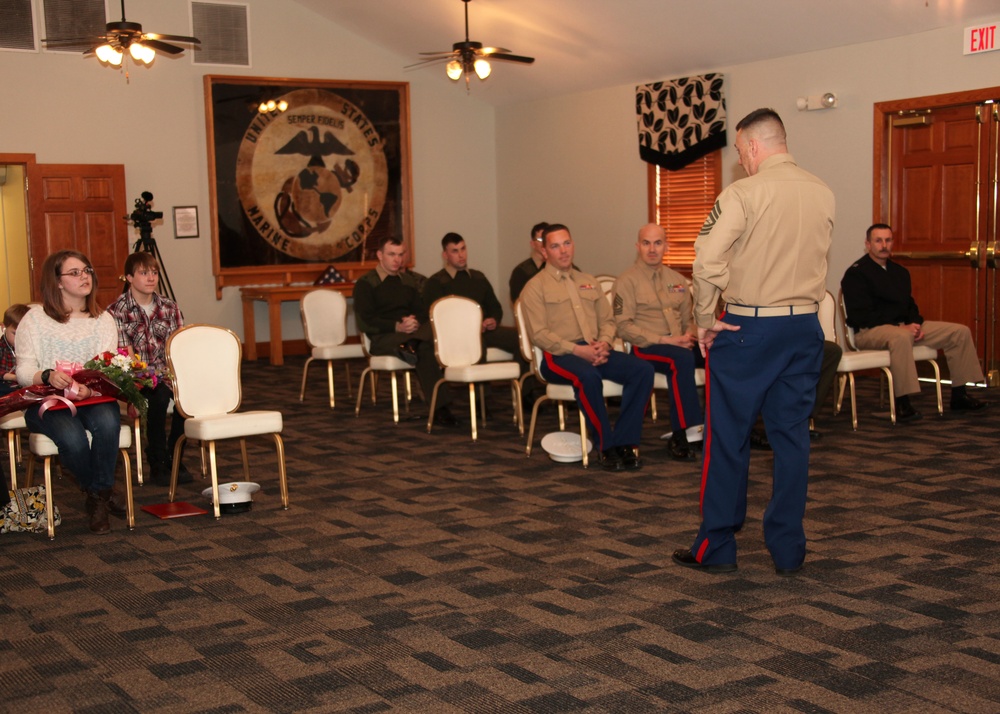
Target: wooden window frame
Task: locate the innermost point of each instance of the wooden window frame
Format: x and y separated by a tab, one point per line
680	201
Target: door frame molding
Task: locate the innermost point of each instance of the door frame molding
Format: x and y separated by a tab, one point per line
882	111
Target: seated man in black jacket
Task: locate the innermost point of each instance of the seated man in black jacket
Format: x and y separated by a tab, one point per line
388	307
881	308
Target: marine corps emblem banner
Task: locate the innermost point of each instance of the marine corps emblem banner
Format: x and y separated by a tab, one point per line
306	171
680	120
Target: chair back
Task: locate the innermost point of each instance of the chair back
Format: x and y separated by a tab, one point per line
827	310
457	325
324	317
607	284
531	354
205	363
845	331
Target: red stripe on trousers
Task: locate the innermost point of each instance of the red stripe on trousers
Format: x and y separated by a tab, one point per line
584	404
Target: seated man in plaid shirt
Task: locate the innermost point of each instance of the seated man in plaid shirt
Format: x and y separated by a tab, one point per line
145	320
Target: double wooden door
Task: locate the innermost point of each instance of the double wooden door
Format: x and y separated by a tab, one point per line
936	185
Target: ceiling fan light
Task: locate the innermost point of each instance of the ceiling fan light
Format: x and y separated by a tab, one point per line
483	68
108	54
454	70
142	53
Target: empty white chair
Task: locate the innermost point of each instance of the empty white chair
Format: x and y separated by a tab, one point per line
324	322
458	346
205	362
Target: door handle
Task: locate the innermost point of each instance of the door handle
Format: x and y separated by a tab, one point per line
991	255
973	253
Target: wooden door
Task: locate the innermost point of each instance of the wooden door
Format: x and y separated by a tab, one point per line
938	176
79	207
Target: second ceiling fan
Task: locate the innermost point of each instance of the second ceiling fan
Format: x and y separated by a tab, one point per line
469	57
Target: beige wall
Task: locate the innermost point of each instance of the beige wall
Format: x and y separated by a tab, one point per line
574	159
67	109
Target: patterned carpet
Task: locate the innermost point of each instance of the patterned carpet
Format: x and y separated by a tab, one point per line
418	572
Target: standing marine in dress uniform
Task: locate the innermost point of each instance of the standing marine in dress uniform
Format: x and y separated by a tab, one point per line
763	248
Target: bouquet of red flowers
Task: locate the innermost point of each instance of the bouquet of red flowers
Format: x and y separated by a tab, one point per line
109	375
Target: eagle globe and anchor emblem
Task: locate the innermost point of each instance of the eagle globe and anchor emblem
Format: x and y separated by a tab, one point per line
313	179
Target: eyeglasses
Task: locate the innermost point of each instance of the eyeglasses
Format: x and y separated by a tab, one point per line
77	272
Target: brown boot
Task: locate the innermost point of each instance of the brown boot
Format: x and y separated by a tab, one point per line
117	504
97	507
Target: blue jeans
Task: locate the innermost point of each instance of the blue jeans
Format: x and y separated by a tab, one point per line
92	463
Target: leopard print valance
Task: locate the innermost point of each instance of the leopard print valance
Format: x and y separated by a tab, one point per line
680	120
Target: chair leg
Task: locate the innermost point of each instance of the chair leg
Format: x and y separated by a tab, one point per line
531	427
839	401
472	409
49	499
279	446
13	441
178	448
361	391
395	398
515	388
246	461
329	381
652	405
430	412
137	440
215	480
583	439
129	504
854	403
562	416
305	372
892	394
937	384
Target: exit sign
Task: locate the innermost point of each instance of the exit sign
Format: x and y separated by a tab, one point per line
980	39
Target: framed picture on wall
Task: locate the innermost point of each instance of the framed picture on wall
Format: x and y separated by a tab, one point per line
305	173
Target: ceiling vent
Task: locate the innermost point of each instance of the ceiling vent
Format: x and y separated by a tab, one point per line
223	31
17	31
74	18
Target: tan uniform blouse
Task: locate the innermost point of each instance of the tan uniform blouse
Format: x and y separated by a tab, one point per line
650	302
563	308
765	241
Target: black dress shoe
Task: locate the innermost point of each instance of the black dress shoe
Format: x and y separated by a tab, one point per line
965	403
678	447
788	572
758	440
630	458
610	460
686	558
905	413
444	417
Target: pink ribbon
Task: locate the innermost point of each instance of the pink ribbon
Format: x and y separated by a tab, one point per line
70	394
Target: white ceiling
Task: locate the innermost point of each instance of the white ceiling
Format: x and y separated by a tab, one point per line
590	44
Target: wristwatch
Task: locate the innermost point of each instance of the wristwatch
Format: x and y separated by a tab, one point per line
45	376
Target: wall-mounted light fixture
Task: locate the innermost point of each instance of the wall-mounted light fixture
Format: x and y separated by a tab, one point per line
817	101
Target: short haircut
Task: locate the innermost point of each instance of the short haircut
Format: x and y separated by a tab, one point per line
876	227
538	227
138	260
760	118
451	239
386	240
553	228
13	314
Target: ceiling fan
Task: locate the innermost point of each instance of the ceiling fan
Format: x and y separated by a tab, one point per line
122	36
469	56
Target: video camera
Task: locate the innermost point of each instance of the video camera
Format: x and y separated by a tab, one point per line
142	215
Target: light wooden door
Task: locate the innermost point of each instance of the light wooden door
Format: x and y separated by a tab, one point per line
80	207
938	177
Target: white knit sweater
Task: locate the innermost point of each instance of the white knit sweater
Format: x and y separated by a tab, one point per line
41	341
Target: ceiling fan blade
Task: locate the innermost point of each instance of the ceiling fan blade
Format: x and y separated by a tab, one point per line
163	46
493	50
511	58
442	54
172	38
430	60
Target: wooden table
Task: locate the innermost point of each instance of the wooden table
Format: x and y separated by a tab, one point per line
274	295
